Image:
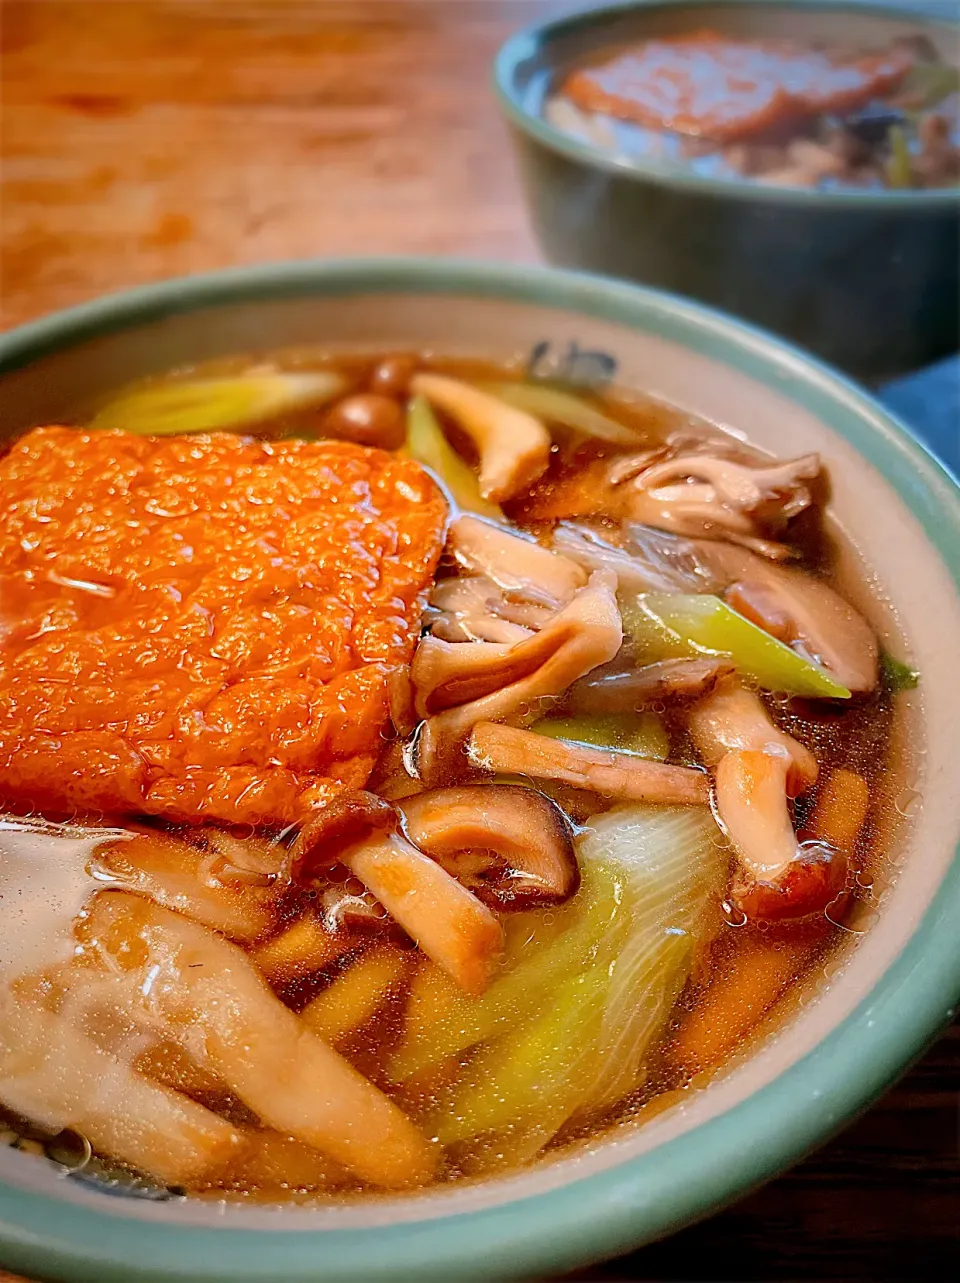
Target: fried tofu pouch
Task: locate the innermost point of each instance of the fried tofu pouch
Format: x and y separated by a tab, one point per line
203	627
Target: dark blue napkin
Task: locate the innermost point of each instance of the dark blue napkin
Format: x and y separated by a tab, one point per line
929	403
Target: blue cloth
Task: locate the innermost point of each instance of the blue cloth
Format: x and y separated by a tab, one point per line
929	403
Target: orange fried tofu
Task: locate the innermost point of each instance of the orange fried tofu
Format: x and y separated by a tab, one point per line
202	627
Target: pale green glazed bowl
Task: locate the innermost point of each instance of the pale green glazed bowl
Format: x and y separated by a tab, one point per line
891	994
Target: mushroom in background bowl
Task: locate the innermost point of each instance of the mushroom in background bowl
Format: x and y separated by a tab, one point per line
818	199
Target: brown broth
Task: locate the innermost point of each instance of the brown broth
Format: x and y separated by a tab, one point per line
856	737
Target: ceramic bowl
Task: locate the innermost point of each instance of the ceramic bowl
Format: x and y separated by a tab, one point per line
867	280
889	994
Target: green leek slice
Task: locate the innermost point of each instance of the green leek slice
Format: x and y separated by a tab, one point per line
672	625
216	404
427	444
555	406
642	734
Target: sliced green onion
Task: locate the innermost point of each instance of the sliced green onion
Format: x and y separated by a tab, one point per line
427	444
538	955
641	734
896	676
217	405
555	406
586	1047
673	625
927	84
899	168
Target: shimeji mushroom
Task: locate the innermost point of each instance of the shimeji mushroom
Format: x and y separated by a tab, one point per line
515	563
714	497
461	684
509	750
513	446
757	768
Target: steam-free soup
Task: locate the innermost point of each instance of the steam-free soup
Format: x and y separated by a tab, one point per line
775	112
409	767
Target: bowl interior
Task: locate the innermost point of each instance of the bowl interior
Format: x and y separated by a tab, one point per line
840	1049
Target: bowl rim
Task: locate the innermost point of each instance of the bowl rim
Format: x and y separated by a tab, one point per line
685	1178
527	42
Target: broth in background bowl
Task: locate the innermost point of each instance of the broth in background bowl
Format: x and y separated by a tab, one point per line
819	199
290	713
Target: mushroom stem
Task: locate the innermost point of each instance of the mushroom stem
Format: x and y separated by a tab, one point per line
752	803
783	878
525	830
513	446
443	918
732	717
507	750
515	563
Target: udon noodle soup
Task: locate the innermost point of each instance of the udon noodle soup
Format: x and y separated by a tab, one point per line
410	767
782	113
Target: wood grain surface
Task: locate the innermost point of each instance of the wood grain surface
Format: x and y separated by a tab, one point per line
146	138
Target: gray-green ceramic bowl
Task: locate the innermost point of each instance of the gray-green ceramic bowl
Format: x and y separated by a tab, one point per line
867	280
887	998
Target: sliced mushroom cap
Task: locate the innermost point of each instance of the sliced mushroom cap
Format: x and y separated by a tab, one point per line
732	717
513	446
507	750
515	563
517	683
609	691
527	831
812	619
784	878
322	839
474	608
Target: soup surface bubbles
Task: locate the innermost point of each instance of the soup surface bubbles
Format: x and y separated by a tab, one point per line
410	767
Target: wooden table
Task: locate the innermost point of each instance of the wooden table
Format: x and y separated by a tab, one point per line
146	138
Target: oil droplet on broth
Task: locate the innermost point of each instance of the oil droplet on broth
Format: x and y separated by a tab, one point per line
70	1149
44	882
732	915
858	918
907	801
